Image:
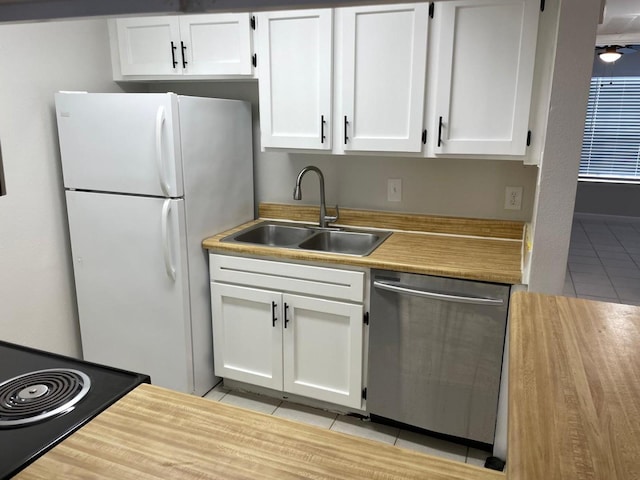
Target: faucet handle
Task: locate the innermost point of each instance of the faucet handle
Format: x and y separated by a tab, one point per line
332	219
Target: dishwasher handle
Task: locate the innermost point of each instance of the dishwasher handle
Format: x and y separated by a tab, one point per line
399	288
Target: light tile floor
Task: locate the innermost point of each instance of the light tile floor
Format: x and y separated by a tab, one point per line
350	425
604	260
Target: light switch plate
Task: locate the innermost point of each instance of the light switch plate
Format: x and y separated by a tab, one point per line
394	190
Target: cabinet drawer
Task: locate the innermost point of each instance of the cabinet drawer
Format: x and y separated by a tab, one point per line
289	277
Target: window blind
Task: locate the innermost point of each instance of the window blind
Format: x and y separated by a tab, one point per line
611	142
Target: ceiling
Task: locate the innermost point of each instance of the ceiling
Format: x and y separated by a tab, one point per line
621	23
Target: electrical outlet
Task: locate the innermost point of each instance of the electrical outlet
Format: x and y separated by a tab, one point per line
513	198
394	190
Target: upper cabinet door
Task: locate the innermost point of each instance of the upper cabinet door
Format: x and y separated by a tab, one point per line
149	46
384	53
295	71
216	44
484	75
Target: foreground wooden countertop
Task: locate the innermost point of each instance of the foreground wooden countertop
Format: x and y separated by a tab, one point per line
487	250
154	433
574	389
574	413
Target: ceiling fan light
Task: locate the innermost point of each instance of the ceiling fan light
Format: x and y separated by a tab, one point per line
610	55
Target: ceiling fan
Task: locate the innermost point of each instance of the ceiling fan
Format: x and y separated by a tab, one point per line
611	53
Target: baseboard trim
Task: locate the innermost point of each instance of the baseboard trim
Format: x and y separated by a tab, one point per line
604	217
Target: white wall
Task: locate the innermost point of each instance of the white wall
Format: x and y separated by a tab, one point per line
37	303
556	191
456	187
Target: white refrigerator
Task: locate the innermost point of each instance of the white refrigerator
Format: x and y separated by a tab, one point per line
147	177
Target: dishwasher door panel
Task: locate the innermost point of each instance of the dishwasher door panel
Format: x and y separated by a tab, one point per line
435	352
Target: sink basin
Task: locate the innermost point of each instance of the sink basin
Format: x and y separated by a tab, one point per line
309	237
350	243
273	235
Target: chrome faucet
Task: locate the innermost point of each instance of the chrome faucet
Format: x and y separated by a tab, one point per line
297	195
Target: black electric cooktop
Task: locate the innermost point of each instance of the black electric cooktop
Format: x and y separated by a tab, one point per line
44	397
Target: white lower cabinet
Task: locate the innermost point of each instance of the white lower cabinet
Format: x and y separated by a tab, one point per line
275	337
247	343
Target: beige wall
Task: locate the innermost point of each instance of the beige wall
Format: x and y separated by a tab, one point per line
37	303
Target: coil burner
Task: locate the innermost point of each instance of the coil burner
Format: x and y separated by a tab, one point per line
39	395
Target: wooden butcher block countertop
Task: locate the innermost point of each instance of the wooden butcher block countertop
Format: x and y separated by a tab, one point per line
574	389
154	433
487	250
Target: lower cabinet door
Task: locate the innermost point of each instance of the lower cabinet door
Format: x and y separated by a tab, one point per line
247	334
323	349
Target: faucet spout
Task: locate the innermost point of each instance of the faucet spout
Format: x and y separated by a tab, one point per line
297	195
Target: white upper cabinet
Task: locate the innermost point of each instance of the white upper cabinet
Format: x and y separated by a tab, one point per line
185	45
484	75
149	46
295	70
382	81
216	44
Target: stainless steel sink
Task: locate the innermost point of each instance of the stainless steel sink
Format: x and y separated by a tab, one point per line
308	237
273	235
350	243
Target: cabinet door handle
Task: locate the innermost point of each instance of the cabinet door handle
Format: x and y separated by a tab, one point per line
173	55
286	320
440	131
183	48
322	122
273	314
345	130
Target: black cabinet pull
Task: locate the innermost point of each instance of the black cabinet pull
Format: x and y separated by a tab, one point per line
440	132
173	55
345	130
322	122
184	61
273	314
286	319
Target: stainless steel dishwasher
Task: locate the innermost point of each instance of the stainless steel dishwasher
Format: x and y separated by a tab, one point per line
435	352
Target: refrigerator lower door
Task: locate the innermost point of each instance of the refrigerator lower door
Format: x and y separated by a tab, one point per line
120	142
130	266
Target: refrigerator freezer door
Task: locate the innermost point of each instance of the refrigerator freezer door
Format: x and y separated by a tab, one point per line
133	313
117	142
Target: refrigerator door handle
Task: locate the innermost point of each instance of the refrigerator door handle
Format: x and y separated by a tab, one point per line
166	247
160	118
